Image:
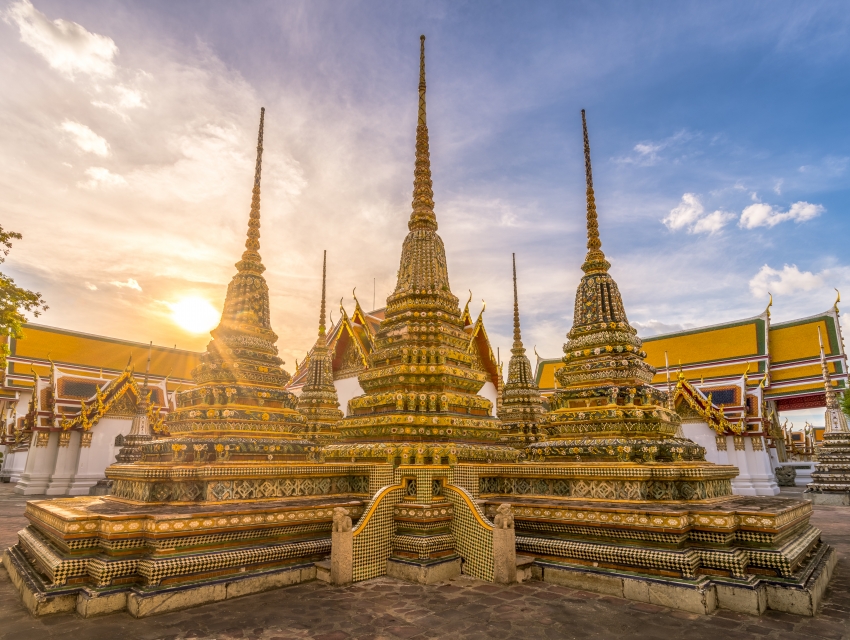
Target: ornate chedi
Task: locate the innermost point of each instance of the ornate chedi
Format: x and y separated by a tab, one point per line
832	472
318	402
239	412
522	410
607	410
229	503
420	403
613	500
419	482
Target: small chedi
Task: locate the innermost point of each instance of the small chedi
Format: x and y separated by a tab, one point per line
832	472
522	410
251	488
318	401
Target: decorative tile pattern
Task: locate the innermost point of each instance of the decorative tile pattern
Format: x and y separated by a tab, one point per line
155	570
374	533
473	534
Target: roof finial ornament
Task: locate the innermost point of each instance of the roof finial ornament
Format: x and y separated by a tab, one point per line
251	257
595	259
769	304
422	216
148	366
837	300
324	277
517	334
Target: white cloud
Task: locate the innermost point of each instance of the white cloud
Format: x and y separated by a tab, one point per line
655	327
766	215
647	153
690	215
713	222
66	46
86	139
789	280
91	287
130	284
100	177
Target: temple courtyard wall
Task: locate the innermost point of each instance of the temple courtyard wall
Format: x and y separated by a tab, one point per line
460	608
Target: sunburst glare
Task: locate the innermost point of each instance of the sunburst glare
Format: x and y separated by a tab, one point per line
194	314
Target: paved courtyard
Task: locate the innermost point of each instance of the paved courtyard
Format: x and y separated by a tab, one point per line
464	608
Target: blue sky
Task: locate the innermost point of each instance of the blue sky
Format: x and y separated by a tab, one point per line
719	133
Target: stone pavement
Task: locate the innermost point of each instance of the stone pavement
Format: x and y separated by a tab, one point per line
464	608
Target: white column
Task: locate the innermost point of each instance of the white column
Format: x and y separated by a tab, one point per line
742	485
761	471
40	464
65	467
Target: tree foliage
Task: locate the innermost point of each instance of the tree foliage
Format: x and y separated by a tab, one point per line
14	301
845	403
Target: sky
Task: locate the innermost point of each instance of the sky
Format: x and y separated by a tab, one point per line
719	135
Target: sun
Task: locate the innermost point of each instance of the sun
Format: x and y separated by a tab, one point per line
195	315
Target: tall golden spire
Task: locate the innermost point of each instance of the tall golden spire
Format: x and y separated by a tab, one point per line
322	311
246	305
595	259
517	349
422	216
251	257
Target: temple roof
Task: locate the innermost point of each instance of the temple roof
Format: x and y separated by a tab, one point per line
86	355
782	357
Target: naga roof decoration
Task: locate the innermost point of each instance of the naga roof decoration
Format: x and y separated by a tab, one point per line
522	407
702	405
421	385
607	409
318	402
105	398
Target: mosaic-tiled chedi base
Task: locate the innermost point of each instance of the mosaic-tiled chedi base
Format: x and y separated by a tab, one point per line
831	477
231	502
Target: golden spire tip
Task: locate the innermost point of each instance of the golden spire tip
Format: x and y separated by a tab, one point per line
324	279
517	335
595	259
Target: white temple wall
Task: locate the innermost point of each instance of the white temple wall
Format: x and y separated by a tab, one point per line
65	467
755	469
489	392
346	389
756	474
706	437
93	460
14	463
41	461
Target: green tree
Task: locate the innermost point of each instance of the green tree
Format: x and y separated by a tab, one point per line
845	403
14	301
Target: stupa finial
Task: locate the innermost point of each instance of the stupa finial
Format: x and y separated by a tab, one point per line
324	278
251	257
422	216
595	260
517	335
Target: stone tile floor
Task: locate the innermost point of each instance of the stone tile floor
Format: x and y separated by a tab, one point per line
464	608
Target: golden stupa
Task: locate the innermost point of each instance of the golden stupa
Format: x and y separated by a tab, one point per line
253	488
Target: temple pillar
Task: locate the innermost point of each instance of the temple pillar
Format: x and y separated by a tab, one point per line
66	464
504	546
41	460
342	549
